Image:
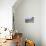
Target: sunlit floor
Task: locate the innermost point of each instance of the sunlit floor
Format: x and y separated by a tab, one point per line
9	43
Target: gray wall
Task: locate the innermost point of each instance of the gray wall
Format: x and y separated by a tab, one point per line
29	30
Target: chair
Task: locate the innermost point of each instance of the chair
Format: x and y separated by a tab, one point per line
18	39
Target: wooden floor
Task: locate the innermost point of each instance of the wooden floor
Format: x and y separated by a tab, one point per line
9	43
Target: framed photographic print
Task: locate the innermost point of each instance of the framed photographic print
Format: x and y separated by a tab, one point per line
29	19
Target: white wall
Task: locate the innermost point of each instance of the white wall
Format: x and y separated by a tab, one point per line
30	30
6	17
43	22
6	13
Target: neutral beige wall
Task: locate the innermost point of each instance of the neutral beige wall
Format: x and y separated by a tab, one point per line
30	30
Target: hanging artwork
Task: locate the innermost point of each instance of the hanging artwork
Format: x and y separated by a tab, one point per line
29	19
